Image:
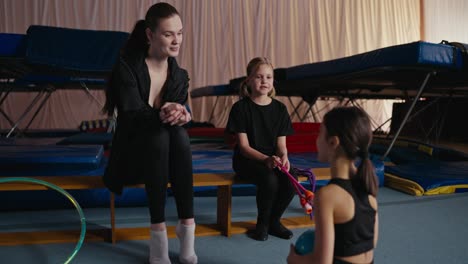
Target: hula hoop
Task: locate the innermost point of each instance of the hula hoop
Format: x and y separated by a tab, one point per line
66	194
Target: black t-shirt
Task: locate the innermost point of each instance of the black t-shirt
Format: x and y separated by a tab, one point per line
263	124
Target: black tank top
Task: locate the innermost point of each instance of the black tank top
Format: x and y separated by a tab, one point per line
357	235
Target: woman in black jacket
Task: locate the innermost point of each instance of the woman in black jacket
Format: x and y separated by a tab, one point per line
149	90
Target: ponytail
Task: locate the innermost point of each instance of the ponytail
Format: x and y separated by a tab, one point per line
365	176
109	106
137	42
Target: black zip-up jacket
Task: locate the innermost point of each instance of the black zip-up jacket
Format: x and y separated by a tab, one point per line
130	88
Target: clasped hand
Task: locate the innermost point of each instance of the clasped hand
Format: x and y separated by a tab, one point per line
174	114
272	161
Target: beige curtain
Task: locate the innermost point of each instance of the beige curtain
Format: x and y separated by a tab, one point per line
220	37
446	20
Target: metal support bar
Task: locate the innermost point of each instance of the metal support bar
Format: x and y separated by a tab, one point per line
2	99
47	96
295	108
415	100
28	109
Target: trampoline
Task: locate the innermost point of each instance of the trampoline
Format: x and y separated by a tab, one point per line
406	71
392	72
50	58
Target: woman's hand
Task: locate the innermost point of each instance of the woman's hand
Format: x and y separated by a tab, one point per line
174	114
183	119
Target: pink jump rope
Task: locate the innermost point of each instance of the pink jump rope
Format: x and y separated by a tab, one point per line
306	196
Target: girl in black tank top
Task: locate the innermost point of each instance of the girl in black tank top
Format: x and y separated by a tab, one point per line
346	219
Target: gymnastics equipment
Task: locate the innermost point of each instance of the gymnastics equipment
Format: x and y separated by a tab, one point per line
66	194
306	197
305	242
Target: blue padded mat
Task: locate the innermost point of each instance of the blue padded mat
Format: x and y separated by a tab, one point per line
204	161
12	45
7	141
106	140
49	157
87	139
51	160
400	155
12	63
416	53
220	161
74	49
38	79
63	56
213	90
408	151
423	168
430	175
37	159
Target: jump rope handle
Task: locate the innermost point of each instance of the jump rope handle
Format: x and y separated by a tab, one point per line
306	205
293	180
307	198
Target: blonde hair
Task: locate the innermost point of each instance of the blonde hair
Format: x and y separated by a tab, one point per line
252	68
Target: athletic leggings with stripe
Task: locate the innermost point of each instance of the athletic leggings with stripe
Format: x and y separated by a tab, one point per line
169	159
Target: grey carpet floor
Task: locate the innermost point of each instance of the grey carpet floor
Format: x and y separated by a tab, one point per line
412	230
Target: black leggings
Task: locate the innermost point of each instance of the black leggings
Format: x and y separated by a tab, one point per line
169	159
274	190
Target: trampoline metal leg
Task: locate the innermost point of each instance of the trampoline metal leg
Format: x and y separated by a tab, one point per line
45	94
309	109
295	109
28	109
38	110
415	100
88	92
7	117
3	97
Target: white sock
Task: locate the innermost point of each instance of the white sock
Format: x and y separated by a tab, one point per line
159	248
186	235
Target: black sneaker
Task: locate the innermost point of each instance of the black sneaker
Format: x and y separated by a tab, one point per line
259	234
280	231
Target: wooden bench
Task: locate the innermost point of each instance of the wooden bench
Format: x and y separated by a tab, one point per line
223	182
223	225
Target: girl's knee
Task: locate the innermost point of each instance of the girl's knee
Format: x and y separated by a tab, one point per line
270	183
